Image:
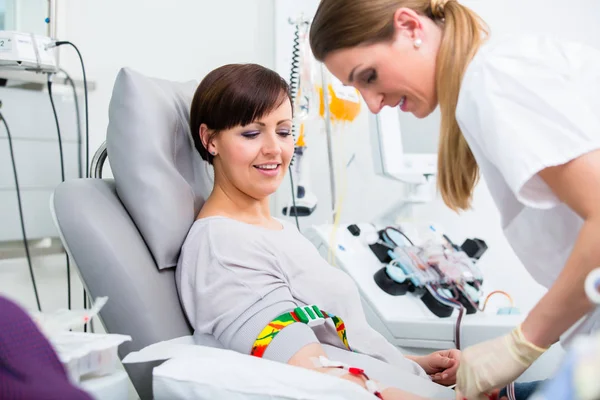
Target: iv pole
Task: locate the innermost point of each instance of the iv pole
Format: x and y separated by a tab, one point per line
328	130
329	140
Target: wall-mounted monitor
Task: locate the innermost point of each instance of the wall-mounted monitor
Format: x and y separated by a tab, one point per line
404	147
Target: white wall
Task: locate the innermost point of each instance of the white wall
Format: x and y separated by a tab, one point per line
176	39
368	195
36	154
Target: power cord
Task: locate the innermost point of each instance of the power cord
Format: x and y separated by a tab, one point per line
87	130
71	83
293	198
294	83
62	178
20	204
85	94
60	148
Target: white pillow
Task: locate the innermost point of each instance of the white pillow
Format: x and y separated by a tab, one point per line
223	374
161	179
200	372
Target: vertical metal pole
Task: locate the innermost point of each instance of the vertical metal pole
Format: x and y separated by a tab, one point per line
52	26
328	135
49	14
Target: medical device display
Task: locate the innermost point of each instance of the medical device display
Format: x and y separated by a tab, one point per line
445	276
26	52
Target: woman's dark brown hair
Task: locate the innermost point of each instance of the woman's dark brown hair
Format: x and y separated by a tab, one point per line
232	95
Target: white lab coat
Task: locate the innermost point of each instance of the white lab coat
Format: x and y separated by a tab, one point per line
527	103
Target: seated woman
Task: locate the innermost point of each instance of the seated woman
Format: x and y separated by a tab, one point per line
241	271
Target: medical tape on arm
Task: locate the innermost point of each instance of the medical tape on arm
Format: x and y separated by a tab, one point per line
340	369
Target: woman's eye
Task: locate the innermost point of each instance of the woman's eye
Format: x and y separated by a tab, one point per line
284	132
371	77
250	135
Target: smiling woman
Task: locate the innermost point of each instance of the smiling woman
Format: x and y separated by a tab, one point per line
244	277
244	132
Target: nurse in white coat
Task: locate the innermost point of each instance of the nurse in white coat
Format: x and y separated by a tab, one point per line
524	113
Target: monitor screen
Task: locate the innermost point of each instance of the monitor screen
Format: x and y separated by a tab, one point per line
420	136
404	147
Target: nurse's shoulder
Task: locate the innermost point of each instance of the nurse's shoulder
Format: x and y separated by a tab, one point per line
531	57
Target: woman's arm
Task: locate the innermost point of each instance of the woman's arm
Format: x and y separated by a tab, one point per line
236	291
303	358
499	361
577	184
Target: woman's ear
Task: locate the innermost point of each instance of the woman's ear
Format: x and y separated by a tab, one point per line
205	136
407	23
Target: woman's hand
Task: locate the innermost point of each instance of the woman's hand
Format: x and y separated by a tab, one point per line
441	366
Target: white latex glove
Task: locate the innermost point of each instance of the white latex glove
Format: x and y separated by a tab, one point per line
494	364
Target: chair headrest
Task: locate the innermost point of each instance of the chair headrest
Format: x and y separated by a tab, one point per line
161	179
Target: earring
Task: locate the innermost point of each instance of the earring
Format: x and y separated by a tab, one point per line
213	153
418	43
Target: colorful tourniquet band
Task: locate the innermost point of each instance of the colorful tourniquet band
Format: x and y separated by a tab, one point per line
309	315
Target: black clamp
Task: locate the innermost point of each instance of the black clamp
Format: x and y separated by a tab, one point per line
354	230
474	248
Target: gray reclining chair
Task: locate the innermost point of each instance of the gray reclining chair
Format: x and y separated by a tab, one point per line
125	234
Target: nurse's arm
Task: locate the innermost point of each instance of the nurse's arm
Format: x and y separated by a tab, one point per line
577	184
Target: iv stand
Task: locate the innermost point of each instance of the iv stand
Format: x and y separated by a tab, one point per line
329	140
328	130
52	26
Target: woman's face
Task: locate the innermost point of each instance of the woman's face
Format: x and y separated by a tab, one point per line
254	158
400	73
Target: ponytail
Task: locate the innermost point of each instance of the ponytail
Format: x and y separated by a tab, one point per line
463	34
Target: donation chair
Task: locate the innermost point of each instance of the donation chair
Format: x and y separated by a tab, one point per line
125	234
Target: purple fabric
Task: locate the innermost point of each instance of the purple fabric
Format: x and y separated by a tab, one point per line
29	367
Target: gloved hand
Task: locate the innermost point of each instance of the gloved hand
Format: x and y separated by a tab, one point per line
494	364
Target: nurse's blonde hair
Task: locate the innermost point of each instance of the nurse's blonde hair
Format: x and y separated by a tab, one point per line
340	24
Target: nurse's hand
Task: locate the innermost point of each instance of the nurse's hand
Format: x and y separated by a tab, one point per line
441	366
495	364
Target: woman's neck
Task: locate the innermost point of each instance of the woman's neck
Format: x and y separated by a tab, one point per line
229	201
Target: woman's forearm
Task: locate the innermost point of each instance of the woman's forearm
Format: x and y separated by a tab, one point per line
390	393
303	358
419	360
566	302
